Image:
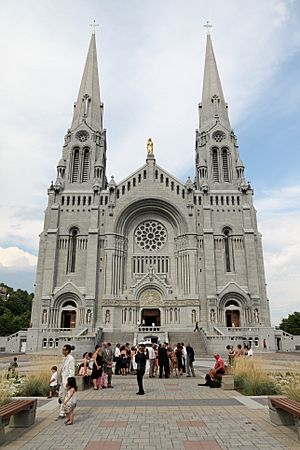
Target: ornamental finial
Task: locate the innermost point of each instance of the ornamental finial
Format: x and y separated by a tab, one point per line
207	26
94	25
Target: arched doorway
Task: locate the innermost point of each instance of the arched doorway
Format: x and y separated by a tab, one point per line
150	317
232	314
68	315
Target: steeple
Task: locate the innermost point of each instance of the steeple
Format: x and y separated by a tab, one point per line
88	107
213	107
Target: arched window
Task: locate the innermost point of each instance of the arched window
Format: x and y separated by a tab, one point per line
171	315
225	165
85	165
215	165
228	250
56	342
175	315
51	343
45	344
72	250
75	165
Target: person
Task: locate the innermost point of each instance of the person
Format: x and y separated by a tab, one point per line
107	356
190	358
123	361
53	383
140	359
67	370
13	369
179	356
133	363
183	357
97	368
69	403
152	358
84	370
239	351
117	359
163	361
214	376
248	352
231	355
196	327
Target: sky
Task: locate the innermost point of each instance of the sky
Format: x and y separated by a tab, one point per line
151	58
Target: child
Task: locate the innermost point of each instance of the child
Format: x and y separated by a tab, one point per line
70	401
13	369
53	382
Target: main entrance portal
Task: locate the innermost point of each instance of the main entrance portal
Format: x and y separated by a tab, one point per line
68	319
150	317
232	318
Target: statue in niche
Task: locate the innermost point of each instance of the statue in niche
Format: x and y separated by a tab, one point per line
44	316
256	316
107	316
88	316
212	316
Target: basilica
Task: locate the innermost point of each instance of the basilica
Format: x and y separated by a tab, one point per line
151	255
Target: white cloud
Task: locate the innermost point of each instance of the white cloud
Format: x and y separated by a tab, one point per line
16	258
279	223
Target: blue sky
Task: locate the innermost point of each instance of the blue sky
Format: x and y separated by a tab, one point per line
151	57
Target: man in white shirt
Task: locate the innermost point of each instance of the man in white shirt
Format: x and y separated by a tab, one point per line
152	357
67	370
248	352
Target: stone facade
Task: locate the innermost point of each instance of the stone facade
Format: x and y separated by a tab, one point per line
150	250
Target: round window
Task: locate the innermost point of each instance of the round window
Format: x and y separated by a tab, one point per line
150	235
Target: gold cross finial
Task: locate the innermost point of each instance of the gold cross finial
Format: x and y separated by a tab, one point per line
207	26
94	25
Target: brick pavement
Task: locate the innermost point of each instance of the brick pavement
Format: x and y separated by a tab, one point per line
174	414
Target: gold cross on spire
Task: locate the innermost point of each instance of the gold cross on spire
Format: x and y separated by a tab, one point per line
94	25
207	26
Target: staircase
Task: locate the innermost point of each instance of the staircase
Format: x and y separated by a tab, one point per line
118	337
196	340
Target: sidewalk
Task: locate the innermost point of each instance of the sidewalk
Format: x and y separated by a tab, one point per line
174	413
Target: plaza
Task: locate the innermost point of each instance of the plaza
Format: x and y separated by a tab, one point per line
175	413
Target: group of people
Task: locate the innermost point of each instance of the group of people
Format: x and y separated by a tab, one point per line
239	351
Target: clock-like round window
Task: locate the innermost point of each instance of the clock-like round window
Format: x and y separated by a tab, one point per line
219	136
150	235
82	136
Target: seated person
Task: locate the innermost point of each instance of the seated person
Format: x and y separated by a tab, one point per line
214	376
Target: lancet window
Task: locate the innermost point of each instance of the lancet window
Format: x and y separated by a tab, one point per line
72	250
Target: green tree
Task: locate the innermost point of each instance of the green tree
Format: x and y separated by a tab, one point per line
291	324
15	310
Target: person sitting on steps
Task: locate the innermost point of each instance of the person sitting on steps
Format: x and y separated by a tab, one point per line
214	376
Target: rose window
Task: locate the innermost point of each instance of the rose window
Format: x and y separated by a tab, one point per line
219	136
150	235
82	136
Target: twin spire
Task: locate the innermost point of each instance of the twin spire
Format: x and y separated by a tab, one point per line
89	108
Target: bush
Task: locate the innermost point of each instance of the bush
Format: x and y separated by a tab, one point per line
34	385
250	378
4	391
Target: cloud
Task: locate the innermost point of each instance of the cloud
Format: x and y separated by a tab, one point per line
279	223
14	257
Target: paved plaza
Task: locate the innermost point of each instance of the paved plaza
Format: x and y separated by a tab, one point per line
174	413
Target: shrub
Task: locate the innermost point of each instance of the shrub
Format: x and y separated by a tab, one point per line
34	385
250	378
4	391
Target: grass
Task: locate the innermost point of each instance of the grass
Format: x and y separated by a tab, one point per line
251	378
34	385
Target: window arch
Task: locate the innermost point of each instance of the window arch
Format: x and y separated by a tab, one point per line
75	165
225	165
215	165
85	164
228	249
72	249
193	315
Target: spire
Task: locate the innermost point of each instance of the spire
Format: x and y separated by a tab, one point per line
213	105
88	106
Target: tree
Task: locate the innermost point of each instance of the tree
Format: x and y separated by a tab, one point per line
291	324
15	310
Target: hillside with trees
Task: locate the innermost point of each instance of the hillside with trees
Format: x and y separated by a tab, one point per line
15	309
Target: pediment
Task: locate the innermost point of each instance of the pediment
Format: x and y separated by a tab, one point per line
68	288
232	286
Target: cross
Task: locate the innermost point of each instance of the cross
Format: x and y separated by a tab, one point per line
94	25
207	26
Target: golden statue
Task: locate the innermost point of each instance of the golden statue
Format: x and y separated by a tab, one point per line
150	147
